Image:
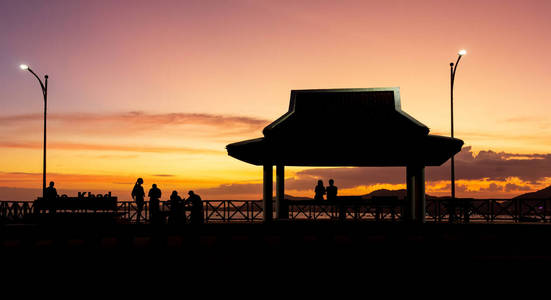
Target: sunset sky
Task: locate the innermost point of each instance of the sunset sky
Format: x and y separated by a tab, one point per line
156	89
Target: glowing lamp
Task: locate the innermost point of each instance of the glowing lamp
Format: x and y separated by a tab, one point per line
462	52
23	67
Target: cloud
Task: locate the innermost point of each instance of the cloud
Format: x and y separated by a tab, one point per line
347	177
140	121
118	157
468	166
130	131
493	187
525	119
509	187
104	147
20	173
490	170
542	122
495	166
232	189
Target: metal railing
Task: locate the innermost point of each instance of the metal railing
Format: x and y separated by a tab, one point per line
250	211
334	211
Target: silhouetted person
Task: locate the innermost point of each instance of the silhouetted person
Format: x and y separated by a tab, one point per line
331	191
196	208
138	195
154	195
320	191
51	196
467	210
177	213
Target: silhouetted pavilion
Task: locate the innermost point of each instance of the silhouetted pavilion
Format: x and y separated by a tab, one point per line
346	127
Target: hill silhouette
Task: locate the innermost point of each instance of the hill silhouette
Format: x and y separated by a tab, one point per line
401	194
541	194
289	197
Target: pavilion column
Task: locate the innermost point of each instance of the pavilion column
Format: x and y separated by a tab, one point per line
282	209
415	180
410	186
267	192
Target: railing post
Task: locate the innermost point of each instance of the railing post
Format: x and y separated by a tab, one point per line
517	204
225	214
545	208
492	209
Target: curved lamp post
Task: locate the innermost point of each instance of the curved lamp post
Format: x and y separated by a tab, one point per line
44	87
453	68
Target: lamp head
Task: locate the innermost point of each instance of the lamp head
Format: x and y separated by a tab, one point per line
23	67
462	52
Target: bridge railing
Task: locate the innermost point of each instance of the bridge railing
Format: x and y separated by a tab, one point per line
250	211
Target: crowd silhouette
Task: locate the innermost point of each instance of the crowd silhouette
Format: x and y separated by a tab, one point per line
177	205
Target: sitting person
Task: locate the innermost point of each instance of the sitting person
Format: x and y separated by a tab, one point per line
320	191
331	191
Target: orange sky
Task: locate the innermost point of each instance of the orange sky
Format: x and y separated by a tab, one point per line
158	89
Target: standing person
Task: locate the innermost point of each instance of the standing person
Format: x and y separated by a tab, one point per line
320	191
154	195
138	195
196	208
51	196
177	214
331	191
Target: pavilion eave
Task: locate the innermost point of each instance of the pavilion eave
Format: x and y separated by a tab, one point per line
429	150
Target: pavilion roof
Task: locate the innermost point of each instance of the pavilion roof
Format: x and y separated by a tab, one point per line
346	127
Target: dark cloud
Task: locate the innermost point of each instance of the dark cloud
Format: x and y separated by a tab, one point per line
494	166
509	187
486	164
347	177
458	188
493	187
489	165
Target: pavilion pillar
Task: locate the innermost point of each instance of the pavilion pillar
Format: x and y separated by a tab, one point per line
282	209
415	181
267	191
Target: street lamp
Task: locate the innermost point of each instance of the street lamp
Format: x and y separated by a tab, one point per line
44	87
452	77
